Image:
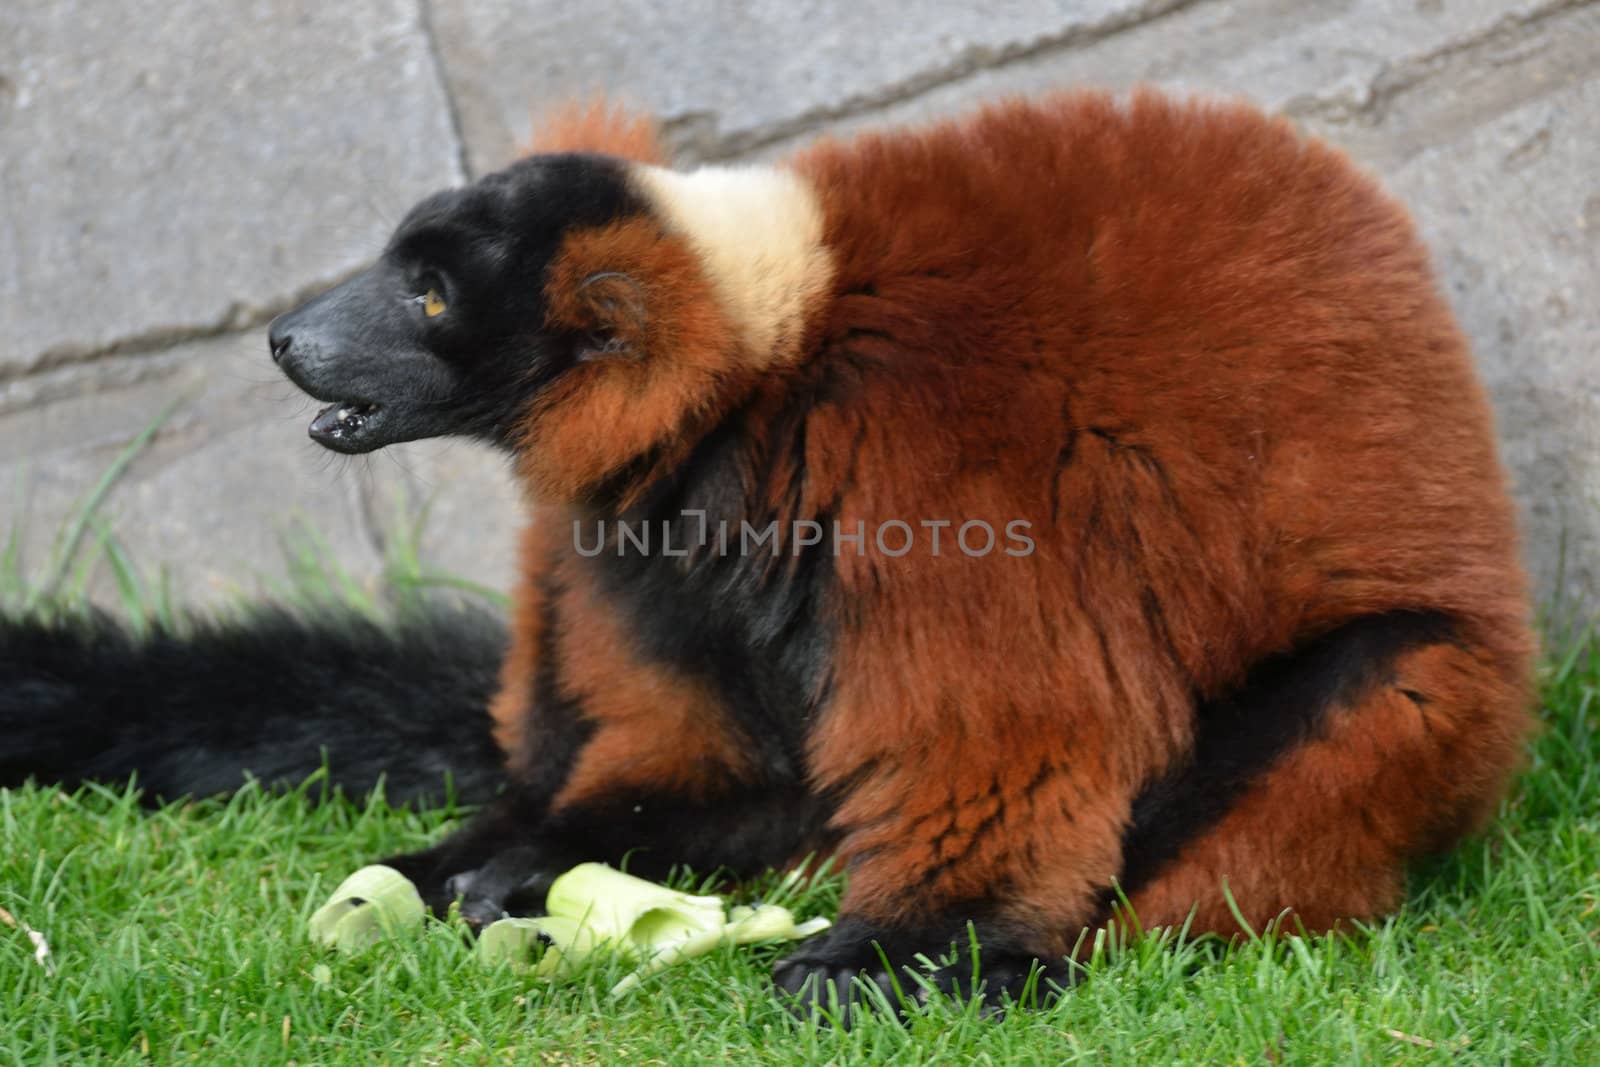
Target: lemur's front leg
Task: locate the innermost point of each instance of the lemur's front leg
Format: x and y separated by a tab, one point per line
738	828
499	830
647	793
615	758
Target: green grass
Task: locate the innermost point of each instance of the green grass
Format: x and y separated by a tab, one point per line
179	936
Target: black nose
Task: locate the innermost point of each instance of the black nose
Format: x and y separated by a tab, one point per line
279	340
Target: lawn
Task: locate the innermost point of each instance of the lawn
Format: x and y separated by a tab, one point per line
179	935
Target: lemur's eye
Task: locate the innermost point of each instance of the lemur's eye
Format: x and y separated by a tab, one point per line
433	304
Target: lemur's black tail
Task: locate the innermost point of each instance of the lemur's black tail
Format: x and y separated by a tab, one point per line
273	695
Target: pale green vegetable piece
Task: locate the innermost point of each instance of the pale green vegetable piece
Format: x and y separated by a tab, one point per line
764	922
769	922
546	946
593	905
624	908
373	903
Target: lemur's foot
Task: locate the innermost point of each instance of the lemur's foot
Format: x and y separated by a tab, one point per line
818	979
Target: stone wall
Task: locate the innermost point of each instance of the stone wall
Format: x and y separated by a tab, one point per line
174	174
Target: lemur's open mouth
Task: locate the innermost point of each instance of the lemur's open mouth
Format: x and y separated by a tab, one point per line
346	426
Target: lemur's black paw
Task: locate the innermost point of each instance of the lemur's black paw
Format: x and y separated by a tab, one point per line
514	882
835	977
490	864
820	981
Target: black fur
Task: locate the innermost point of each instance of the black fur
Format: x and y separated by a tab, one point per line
821	971
497	837
749	625
1284	702
367	346
85	699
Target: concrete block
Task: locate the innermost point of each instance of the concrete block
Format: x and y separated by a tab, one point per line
1512	211
176	168
231	474
727	76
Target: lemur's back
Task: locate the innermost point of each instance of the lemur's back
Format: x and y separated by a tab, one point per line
1274	633
1199	281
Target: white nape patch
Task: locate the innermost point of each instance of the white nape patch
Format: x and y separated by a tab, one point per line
758	233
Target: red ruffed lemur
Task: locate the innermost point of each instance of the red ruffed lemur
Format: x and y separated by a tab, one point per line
1129	534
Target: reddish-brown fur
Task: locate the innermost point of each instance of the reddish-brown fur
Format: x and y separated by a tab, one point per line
1199	284
1206	359
608	279
1325	835
679	358
511	709
651	728
654	728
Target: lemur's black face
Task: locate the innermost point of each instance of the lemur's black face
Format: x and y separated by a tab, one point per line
445	333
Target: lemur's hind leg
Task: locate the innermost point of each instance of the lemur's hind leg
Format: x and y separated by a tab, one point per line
1308	788
1007	841
1415	725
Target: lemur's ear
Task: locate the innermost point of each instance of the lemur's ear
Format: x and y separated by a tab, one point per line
615	303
